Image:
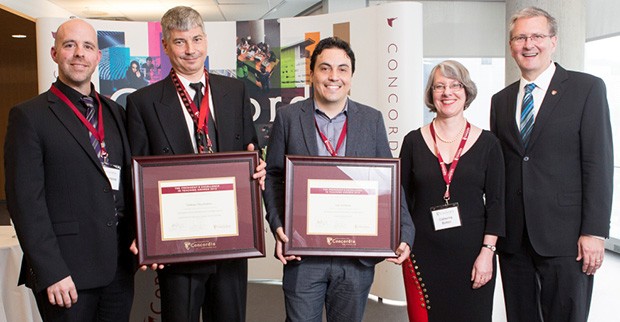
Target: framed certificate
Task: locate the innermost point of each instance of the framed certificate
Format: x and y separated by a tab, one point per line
339	206
197	207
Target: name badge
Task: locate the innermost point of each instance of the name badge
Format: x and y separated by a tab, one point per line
446	216
113	172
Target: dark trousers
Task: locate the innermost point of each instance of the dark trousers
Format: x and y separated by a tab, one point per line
538	288
340	284
221	293
111	303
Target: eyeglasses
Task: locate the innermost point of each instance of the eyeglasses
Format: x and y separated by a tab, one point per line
535	38
440	88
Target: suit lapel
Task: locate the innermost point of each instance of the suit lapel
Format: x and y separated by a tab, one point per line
511	98
222	118
118	119
354	130
171	116
308	127
549	103
79	132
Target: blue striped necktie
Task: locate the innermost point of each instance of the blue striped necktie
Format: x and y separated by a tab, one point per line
91	116
527	113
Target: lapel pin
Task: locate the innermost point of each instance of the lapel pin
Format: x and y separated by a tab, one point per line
553	92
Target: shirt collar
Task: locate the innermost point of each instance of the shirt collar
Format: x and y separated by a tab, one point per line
344	111
73	95
186	83
542	81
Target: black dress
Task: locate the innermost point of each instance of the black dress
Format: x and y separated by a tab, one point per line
444	258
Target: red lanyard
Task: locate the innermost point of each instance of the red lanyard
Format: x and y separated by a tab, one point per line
199	117
328	145
98	133
447	175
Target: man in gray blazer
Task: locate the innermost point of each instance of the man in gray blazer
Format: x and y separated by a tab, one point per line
341	284
555	132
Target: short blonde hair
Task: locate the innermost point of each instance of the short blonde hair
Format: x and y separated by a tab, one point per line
532	12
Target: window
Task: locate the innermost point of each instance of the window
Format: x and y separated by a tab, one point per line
602	60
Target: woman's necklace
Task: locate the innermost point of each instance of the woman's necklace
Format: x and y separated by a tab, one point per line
448	141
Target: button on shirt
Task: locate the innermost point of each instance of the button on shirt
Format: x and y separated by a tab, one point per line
331	128
538	94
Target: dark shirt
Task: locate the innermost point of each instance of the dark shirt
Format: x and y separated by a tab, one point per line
113	141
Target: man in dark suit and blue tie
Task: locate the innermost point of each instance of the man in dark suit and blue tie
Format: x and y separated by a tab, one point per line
316	127
68	188
555	132
193	111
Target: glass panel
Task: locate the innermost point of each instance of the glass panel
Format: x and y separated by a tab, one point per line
602	60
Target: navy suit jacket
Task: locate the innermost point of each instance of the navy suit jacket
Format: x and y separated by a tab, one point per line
294	133
560	186
60	199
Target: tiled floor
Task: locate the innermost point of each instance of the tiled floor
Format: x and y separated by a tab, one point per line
606	296
605	303
604	308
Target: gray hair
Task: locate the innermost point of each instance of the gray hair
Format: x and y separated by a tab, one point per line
180	18
532	12
455	70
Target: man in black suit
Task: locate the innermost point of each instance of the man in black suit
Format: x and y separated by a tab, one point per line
166	118
555	132
328	124
68	189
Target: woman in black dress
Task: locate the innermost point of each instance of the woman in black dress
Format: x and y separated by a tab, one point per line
453	177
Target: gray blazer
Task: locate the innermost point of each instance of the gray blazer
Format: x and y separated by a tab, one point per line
294	133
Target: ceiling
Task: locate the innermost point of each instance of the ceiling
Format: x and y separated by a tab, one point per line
210	10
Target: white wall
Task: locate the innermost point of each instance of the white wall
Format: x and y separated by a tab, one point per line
602	19
464	29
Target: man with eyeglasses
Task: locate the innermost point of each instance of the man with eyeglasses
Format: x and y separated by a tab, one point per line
555	132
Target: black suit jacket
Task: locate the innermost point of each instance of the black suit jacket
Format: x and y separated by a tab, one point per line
156	124
60	199
560	187
294	133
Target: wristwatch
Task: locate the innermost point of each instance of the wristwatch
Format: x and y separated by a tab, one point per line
489	246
